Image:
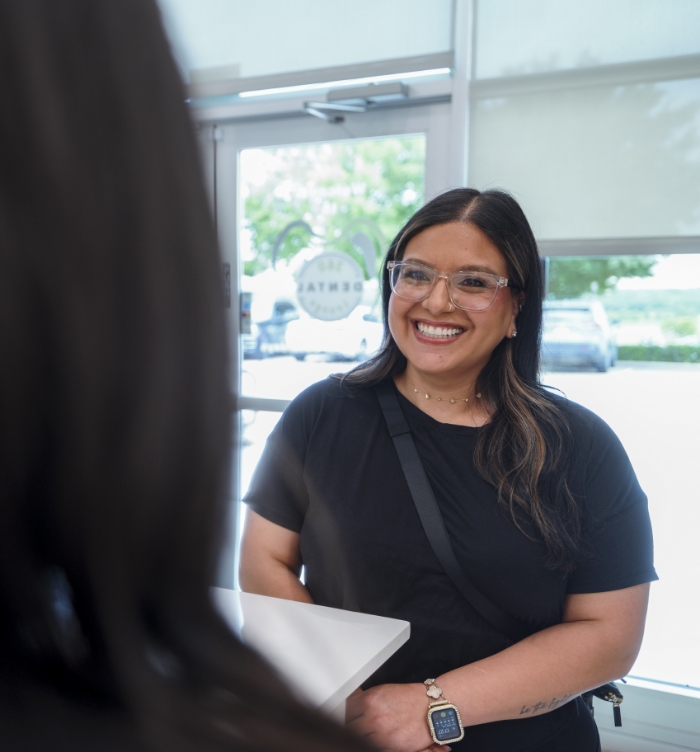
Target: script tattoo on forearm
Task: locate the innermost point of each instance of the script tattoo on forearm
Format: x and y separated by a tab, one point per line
539	707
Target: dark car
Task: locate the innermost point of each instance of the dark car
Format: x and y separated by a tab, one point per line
576	333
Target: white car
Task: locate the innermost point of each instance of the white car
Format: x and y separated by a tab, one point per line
356	337
576	333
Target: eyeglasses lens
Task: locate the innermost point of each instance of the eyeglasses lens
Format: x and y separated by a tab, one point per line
471	291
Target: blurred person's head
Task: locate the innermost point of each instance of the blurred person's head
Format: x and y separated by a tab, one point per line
115	412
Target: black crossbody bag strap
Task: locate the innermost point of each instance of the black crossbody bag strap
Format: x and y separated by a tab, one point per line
431	519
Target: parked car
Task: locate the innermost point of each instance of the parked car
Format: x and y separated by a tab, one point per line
268	337
576	333
355	337
251	342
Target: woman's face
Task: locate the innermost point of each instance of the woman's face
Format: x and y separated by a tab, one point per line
461	342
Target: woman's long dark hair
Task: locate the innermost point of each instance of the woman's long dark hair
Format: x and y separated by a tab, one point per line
524	451
115	410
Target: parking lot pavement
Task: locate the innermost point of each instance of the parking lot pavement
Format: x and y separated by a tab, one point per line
285	377
655	410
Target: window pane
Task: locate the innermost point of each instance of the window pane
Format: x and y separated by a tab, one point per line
650	399
275	36
514	37
347	199
597	161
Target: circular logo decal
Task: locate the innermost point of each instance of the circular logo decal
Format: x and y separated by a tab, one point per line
330	285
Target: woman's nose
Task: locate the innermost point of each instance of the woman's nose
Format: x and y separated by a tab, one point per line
439	299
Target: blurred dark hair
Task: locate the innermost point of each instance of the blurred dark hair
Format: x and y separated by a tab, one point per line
115	412
525	449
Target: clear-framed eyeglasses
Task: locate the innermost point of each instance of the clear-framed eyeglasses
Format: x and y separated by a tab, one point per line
470	291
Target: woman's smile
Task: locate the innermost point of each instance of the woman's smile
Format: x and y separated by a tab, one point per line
437	332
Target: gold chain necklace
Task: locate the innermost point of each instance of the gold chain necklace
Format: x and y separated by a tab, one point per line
440	399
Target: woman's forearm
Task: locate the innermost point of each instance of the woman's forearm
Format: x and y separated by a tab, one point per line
551	667
274	579
534	676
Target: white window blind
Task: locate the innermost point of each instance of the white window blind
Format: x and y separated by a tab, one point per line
515	37
232	38
595	161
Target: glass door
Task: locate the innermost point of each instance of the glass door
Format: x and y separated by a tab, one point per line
306	210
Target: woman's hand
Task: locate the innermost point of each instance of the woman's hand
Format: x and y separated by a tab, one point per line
393	717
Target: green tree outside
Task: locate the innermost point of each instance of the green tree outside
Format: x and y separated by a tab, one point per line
328	186
573	277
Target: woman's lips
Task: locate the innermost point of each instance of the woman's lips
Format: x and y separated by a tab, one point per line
437	332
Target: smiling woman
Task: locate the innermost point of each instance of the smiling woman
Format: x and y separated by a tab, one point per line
447	332
534	494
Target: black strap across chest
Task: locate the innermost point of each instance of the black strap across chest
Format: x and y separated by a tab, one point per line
432	521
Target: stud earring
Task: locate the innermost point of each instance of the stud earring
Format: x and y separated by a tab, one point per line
515	334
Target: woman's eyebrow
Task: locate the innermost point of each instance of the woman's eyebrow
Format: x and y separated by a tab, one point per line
478	268
465	268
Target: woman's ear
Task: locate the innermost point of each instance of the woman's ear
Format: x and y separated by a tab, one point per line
517	306
518	303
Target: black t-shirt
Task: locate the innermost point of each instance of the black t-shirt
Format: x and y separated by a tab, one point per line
330	472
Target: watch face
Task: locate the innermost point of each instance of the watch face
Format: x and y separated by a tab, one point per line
446	725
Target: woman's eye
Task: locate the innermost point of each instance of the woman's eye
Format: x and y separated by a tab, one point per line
468	281
415	275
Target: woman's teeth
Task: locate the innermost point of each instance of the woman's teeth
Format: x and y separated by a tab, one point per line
438	331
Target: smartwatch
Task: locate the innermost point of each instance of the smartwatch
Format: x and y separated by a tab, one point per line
443	717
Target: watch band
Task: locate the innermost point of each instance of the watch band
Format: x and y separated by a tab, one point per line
434	692
444	720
